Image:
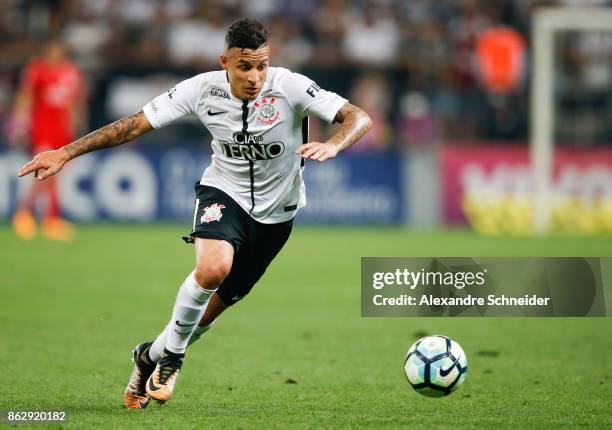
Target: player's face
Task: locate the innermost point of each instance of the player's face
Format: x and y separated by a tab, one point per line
54	51
247	70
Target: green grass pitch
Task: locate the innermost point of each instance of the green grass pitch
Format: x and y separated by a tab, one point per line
294	354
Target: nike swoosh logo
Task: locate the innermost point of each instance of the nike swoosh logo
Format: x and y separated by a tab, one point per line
183	325
143	357
445	372
152	386
211	113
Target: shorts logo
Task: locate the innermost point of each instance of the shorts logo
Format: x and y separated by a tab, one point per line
268	113
212	213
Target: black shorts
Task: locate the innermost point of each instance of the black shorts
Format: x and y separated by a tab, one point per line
218	216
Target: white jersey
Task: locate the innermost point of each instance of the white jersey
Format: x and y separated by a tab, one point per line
254	141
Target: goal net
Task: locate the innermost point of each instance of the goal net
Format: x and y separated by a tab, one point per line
547	23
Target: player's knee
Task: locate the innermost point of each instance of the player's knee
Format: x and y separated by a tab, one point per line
210	274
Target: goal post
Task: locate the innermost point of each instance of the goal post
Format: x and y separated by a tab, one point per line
546	22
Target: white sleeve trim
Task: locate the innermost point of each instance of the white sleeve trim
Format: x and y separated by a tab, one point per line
148	112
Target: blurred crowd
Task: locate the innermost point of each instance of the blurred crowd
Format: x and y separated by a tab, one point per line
419	67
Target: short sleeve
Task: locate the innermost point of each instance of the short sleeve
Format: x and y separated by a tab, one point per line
174	104
306	95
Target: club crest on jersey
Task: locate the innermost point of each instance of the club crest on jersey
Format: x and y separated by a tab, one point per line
268	113
212	213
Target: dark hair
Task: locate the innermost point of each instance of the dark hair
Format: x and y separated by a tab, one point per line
246	33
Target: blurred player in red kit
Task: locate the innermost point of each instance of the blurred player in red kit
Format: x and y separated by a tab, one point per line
48	110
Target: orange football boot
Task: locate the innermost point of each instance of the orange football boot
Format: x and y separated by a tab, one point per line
55	228
135	395
161	383
24	224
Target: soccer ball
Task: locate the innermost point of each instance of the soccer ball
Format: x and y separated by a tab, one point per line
435	366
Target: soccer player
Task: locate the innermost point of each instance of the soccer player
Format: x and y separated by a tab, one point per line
49	107
247	198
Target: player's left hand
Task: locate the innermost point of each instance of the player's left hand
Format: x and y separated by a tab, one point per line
318	151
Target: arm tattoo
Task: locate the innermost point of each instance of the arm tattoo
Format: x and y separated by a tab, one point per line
355	124
116	133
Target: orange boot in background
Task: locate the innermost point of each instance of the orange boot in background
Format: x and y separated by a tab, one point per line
24	224
55	228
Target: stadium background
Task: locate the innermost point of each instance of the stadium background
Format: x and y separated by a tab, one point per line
446	87
444	125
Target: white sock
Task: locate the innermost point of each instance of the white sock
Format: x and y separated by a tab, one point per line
191	301
198	332
160	343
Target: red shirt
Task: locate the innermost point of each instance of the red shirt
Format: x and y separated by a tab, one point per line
56	88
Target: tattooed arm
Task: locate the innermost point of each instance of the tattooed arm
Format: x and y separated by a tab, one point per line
121	131
355	124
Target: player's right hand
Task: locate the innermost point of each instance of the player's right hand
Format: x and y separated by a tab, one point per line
45	164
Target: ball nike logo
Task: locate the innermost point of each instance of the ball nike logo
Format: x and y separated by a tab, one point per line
445	372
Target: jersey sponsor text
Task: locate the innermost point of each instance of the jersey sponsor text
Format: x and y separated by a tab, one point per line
250	151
